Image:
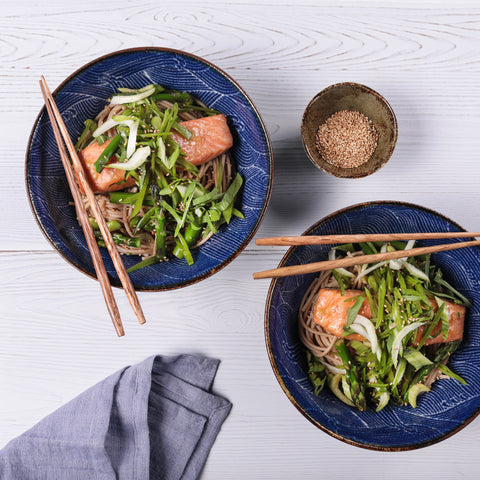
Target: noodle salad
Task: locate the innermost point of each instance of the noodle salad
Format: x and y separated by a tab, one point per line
158	162
381	334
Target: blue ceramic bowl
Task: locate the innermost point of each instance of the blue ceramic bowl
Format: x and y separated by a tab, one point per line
443	411
84	94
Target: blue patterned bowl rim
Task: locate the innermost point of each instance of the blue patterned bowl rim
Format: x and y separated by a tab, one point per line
394	428
259	187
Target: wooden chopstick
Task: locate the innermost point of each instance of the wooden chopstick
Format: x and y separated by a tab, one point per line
85	223
112	249
368	237
359	260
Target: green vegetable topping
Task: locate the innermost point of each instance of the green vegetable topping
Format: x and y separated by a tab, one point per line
174	205
400	343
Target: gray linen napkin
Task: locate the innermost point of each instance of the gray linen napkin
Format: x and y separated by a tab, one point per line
154	420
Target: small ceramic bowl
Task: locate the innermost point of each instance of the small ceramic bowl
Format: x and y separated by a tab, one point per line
354	97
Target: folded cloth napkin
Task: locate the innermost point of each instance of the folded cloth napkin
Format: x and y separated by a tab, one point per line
154	420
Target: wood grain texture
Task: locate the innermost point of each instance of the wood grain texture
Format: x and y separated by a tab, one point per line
55	336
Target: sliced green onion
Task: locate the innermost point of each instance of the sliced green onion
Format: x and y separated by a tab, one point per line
439	279
183	163
135	161
230	193
410	244
416	272
442	308
143	263
344	272
173	157
132	139
360	329
197	192
371	334
174	96
127	198
446	371
144	220
414	392
346	388
333	369
114	122
107	125
395	264
333	383
352	374
227	213
207	197
353	310
185	251
359	347
416	359
158	88
171	211
371	269
340	281
161	152
341	271
382	289
383	401
399	372
143	182
122	99
138	90
397	343
187	200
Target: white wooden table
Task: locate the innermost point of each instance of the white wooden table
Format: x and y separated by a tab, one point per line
55	335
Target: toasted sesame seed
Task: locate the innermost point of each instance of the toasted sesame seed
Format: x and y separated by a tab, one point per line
347	139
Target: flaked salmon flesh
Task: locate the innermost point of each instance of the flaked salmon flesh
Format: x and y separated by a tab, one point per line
211	137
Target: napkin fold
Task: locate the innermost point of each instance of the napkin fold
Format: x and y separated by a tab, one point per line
155	420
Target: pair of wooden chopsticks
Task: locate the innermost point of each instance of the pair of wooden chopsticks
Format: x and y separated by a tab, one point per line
361	259
61	136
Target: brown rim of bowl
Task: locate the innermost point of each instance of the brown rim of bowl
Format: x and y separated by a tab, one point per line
252	106
351	172
271	358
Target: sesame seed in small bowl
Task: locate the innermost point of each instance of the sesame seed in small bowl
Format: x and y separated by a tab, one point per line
349	130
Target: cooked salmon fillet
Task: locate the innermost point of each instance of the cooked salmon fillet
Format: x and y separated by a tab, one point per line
109	179
456	320
211	137
331	310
